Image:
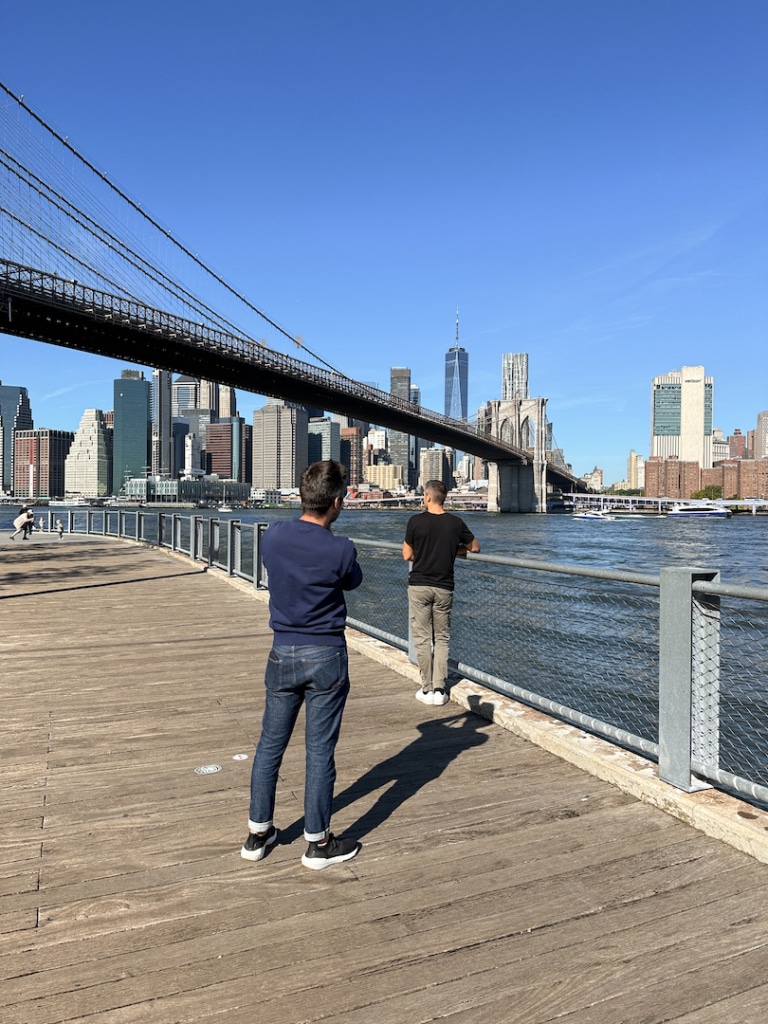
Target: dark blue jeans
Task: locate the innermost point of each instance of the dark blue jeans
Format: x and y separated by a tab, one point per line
318	678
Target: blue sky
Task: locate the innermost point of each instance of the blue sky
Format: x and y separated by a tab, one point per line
585	180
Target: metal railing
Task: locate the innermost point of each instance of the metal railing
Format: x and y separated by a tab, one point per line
670	666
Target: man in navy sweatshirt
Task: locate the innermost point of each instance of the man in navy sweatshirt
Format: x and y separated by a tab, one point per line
308	571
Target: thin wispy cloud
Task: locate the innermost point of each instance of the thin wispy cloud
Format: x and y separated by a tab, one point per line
72	388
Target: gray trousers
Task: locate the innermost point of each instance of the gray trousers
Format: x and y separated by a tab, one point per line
430	615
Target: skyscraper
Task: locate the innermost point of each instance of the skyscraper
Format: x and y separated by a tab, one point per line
400	443
456	379
15	414
185	394
132	428
351	453
514	376
761	436
162	437
228	449
39	458
324	439
209	397
681	416
227	402
87	468
280	445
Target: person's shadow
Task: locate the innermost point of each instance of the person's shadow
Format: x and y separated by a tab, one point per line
441	740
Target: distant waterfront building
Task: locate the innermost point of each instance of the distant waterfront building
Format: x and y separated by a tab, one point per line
400	443
671	478
323	439
280	445
15	414
87	466
635	471
376	438
162	437
209	397
435	465
194	454
388	478
185	394
415	444
514	376
721	447
456	379
132	428
594	480
227	402
737	444
40	456
265	495
682	416
761	436
351	454
229	451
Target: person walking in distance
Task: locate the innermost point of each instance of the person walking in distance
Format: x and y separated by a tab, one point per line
308	571
22	523
433	539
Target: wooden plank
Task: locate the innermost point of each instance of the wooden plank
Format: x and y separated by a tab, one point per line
494	880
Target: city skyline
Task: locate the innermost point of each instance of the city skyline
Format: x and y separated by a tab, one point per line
511	363
603	206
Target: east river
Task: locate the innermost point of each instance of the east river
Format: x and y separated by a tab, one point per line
738	547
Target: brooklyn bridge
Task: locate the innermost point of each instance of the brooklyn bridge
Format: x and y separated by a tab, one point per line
83	266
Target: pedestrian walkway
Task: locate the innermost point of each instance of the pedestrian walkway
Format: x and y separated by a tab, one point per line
497	883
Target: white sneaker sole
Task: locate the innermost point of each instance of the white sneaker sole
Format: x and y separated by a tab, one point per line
258	853
318	863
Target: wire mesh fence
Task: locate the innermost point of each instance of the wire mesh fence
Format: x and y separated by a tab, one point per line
586	641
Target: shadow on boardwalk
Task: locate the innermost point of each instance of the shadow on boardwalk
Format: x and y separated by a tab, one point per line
401	776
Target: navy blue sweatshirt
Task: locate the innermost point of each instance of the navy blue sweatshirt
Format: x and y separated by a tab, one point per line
309	569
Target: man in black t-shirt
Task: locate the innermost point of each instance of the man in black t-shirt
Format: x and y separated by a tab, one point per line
433	539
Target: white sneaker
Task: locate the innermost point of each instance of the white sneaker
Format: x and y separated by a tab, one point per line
439	697
426	697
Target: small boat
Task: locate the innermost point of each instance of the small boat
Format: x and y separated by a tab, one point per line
78	502
594	513
226	508
684	510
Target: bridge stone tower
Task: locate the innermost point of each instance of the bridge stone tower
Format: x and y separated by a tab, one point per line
523	423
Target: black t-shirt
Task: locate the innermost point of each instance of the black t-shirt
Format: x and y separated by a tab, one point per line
435	539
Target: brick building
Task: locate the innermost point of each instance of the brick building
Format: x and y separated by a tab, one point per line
40	455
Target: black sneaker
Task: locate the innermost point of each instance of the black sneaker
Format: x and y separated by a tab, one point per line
333	852
255	846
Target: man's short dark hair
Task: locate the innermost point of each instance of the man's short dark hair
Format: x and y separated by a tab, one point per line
321	484
437	490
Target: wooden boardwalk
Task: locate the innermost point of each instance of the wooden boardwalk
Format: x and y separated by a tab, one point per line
497	884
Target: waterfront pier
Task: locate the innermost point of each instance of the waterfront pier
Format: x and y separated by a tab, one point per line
496	884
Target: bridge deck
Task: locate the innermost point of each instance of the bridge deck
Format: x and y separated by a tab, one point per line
496	883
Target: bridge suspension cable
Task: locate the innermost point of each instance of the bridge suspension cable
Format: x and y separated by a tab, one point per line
87	228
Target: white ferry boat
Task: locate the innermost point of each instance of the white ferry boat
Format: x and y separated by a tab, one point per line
689	511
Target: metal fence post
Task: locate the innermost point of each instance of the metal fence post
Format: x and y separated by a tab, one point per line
232	554
213	541
705	738
260	581
679	664
411	641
